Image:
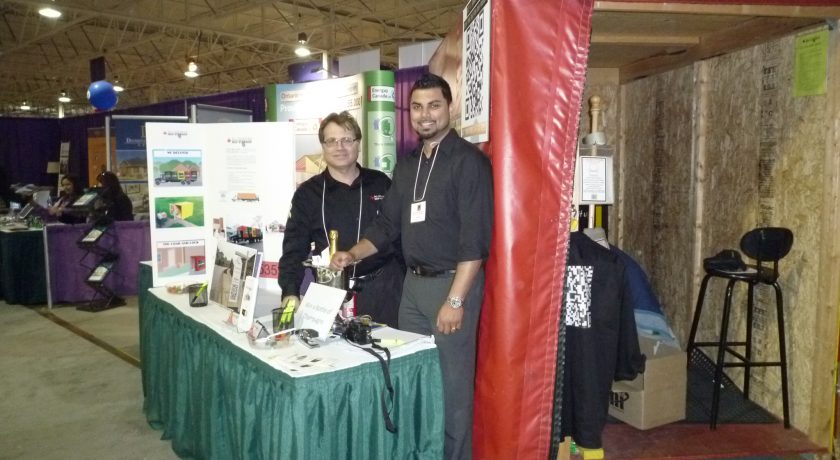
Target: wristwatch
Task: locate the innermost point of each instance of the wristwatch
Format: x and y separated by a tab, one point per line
455	302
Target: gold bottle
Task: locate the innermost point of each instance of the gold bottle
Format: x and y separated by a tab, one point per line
333	242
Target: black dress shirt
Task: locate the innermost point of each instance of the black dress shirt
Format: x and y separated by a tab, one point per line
341	212
458	202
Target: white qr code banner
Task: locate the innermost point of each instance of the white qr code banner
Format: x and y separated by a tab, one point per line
475	112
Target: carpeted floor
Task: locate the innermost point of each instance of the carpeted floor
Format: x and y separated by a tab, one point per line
67	397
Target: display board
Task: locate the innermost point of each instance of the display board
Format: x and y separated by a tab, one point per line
203	113
208	184
128	160
369	97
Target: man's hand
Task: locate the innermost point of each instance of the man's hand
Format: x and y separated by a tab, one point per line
449	319
341	259
364	248
290	298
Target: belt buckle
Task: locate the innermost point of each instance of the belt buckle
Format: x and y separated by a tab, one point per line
425	273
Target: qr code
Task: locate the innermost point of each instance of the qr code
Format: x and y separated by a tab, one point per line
474	38
579	296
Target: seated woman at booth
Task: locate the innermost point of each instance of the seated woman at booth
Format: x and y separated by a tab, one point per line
114	204
70	192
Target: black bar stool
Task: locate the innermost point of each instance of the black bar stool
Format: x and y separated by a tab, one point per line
766	245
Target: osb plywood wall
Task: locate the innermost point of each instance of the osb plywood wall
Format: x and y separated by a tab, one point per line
656	207
710	152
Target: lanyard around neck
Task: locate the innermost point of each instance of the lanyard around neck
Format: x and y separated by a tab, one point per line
324	217
417	176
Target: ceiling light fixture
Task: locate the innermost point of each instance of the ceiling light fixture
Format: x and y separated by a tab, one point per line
49	12
25	106
64	98
117	86
192	70
302	50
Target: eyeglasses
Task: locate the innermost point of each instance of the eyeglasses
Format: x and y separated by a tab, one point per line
333	143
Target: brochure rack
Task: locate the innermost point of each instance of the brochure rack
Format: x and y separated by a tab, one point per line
100	245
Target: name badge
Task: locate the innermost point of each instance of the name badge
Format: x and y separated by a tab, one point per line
418	212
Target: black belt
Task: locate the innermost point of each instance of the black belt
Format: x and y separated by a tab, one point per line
429	273
370	276
359	282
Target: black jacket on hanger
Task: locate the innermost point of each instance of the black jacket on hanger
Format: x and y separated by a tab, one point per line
601	343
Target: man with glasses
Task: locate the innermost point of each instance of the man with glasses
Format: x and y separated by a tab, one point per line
441	209
345	197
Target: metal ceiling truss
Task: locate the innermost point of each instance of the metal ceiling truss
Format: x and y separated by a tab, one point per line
236	44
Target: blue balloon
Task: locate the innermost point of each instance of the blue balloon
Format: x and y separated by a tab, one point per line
101	95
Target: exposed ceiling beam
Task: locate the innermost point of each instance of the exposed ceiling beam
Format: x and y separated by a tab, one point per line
720	9
627	39
49	34
748	33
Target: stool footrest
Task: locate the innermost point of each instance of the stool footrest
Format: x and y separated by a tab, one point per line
714	344
737	355
753	364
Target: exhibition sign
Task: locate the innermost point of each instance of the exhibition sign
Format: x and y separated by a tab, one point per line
129	162
369	97
128	159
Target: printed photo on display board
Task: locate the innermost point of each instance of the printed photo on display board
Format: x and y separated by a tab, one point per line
244	225
231	265
180	258
179	212
177	168
131	165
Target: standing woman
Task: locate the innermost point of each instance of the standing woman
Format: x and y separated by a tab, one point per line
70	192
115	204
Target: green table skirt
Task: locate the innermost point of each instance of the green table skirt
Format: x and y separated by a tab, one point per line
215	400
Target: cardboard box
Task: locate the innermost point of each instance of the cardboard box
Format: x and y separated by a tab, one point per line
657	396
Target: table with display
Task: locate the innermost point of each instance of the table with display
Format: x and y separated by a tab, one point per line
216	396
22	274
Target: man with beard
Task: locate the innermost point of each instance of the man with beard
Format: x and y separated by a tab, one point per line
441	207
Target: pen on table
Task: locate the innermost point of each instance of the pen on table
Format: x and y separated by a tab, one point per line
200	290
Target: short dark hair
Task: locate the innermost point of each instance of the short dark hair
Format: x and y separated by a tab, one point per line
343	119
429	81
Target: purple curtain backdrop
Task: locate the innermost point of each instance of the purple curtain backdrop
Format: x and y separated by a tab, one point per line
23	141
403	80
27	144
67	277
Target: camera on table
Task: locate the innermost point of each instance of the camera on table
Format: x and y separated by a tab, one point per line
358	330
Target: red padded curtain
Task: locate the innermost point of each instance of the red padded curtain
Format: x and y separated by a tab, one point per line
538	67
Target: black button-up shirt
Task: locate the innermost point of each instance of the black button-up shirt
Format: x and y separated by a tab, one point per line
341	212
459	206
